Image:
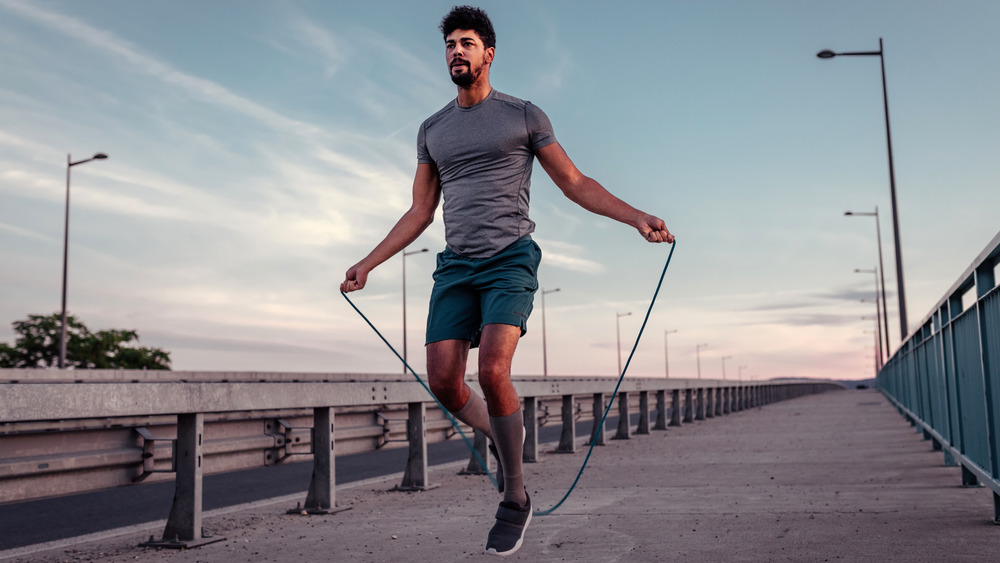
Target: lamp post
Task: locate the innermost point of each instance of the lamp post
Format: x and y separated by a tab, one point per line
545	357
878	326
405	254
827	54
881	269
877	347
697	354
878	335
618	330
739	372
724	358
666	353
62	329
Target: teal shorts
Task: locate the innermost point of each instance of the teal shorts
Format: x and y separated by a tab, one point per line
470	293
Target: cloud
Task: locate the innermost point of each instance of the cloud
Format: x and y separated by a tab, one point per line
567	256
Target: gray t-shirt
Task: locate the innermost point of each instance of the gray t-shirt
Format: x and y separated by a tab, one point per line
484	156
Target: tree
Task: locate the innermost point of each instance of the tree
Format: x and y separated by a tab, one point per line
37	346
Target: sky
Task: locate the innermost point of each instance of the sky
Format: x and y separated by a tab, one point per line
257	149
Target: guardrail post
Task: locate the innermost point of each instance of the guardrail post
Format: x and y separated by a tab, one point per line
661	410
415	476
479	444
567	441
322	495
623	417
597	434
727	399
699	413
530	430
675	407
688	405
707	406
718	401
183	529
643	427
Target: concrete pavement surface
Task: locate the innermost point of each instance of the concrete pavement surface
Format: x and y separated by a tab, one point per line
833	477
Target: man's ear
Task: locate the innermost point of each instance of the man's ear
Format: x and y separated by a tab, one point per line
490	53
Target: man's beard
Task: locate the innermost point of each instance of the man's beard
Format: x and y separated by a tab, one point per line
466	79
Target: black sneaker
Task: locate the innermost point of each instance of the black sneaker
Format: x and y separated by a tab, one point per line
508	533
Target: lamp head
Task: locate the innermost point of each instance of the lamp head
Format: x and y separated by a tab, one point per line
826	54
100	156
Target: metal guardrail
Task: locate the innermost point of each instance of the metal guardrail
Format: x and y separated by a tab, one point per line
70	431
945	378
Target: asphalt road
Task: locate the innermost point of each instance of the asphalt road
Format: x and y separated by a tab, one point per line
39	521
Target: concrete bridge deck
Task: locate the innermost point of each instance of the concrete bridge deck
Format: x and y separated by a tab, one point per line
838	476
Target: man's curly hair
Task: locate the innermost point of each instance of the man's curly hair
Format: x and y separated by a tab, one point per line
469	17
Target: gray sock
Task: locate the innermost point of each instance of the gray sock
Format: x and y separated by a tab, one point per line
474	414
508	436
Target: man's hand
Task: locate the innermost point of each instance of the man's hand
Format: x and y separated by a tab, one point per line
653	229
355	278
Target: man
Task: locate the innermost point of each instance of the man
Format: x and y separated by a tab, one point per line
477	153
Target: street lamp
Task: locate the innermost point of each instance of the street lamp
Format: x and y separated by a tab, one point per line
881	269
666	353
405	254
618	329
545	357
827	54
878	334
724	358
62	329
697	354
739	372
878	326
877	348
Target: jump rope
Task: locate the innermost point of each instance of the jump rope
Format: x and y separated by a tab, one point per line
600	428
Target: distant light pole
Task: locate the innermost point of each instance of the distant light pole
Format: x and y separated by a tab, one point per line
666	353
739	372
827	54
545	357
697	354
878	334
618	329
878	326
881	269
62	329
405	254
724	358
876	348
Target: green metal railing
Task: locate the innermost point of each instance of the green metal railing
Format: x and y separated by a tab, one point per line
945	378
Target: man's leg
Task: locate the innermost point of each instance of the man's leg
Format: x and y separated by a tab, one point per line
496	350
446	362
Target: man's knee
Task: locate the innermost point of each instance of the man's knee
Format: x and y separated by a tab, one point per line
452	392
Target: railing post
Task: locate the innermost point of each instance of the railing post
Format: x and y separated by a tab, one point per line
675	407
688	405
708	408
415	475
661	410
643	427
530	430
567	441
727	398
322	495
184	529
718	401
479	444
623	417
700	410
597	435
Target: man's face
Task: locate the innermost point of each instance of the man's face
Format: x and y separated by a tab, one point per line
466	56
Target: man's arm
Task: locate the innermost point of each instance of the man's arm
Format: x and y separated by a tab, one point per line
426	195
593	197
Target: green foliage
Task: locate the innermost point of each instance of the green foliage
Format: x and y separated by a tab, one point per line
37	346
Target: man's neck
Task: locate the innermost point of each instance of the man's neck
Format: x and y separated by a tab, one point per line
468	97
